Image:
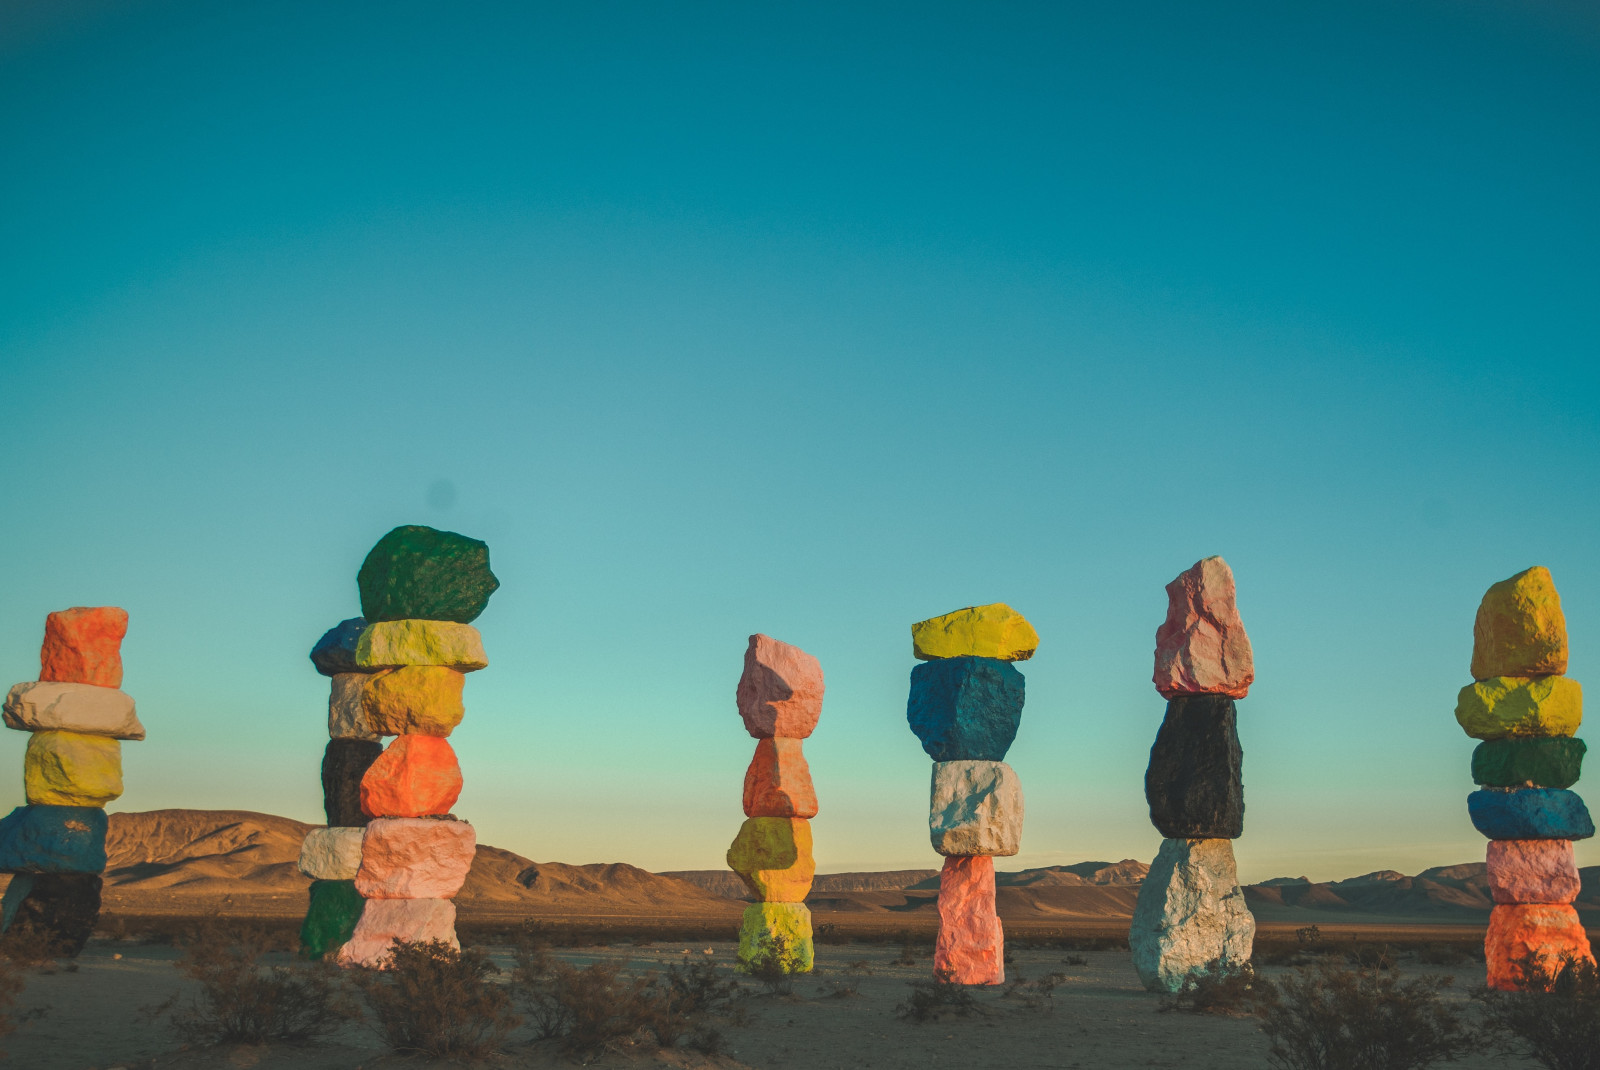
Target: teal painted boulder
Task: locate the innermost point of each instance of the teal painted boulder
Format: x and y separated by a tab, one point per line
421	573
335	908
966	708
53	839
1554	762
1530	814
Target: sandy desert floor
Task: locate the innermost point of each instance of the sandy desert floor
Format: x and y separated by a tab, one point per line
842	1016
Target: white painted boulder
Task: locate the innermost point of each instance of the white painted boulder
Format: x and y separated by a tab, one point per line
975	808
331	854
1190	914
347	718
49	706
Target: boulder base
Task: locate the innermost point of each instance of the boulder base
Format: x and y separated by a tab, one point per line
59	908
344	764
331	854
1554	762
71	769
975	808
1532	871
1202	647
780	931
53	839
331	919
1522	706
970	949
383	921
992	631
415	858
966	709
418	572
390	644
1542	935
84	646
423	700
417	776
44	706
780	691
778	782
1195	781
347	715
1190	913
772	855
1520	629
1530	814
335	652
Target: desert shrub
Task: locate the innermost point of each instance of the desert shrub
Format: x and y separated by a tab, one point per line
1556	1023
1330	1018
1034	995
26	944
1371	956
774	966
435	1000
1217	989
11	985
1441	954
1074	960
1308	936
931	1000
908	953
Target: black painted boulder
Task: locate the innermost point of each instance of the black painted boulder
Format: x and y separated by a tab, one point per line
335	908
335	652
421	573
967	708
1195	783
344	763
52	913
1552	762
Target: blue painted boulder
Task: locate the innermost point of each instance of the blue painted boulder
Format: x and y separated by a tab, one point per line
1530	814
965	709
335	652
53	839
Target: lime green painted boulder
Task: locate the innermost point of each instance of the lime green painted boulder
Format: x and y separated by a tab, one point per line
421	573
335	909
776	932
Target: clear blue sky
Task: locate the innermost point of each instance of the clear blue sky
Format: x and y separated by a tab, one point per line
815	321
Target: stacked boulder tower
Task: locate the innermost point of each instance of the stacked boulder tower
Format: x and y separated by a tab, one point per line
965	706
78	716
1191	915
1526	710
398	670
780	701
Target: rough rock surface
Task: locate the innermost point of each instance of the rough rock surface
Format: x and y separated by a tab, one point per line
773	857
1530	814
383	921
420	700
1202	647
417	776
347	715
331	918
1553	762
1190	912
1194	783
966	708
1541	934
992	631
415	858
389	644
418	572
1520	629
331	854
45	706
780	690
778	781
84	646
335	652
970	947
975	808
1520	706
71	769
60	908
344	764
1532	871
53	839
776	930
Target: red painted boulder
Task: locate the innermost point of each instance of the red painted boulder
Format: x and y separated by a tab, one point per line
414	858
778	782
1202	648
1540	936
780	693
383	921
1532	871
416	776
84	646
970	949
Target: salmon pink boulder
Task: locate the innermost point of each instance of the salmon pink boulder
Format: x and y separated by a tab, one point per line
1202	647
1532	871
415	858
780	692
778	782
971	945
383	921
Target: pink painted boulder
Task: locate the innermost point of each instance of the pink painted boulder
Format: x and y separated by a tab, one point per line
780	693
970	949
1202	648
1532	871
414	858
383	921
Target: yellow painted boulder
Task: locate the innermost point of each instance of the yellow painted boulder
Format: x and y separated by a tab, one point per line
776	933
992	631
1520	630
1523	706
773	857
390	644
413	700
72	769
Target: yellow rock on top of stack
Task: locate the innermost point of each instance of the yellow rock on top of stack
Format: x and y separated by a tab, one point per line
390	644
992	631
772	855
1520	629
1521	706
72	769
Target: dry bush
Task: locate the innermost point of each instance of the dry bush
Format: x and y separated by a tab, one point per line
435	1000
932	1000
1330	1018
1037	995
11	985
774	967
1217	989
1556	1023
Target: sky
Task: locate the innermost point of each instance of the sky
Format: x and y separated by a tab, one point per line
811	320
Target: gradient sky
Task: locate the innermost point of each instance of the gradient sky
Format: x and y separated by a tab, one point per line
811	320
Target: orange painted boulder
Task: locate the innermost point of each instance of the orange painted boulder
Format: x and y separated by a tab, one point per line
1532	871
1540	935
383	921
415	776
84	646
778	782
780	692
772	855
414	858
1520	629
970	949
413	700
1202	648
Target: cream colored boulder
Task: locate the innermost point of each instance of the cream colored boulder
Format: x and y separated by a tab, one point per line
1190	914
47	706
975	808
331	854
347	716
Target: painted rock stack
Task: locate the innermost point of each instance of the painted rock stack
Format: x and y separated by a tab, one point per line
965	706
1191	912
780	701
78	717
399	671
1526	711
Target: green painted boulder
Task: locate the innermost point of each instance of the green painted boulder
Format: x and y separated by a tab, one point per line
421	573
335	908
1554	762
